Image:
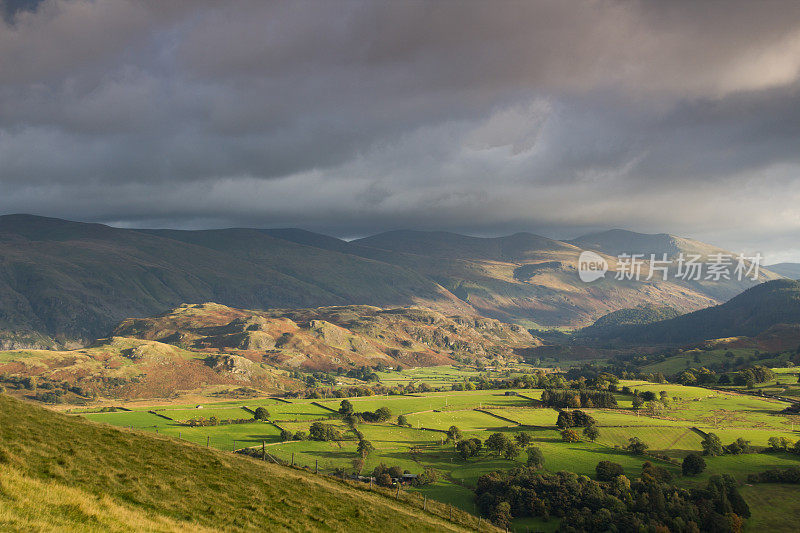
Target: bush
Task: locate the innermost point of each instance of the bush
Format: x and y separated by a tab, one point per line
607	470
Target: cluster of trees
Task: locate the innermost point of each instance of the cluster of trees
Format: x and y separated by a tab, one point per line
385	475
214	421
54	391
469	447
778	475
323	432
381	414
364	373
782	444
752	376
501	444
572	419
712	446
577	399
649	503
498	444
287	435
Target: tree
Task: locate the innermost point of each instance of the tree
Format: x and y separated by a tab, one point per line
565	420
591	433
286	435
636	446
365	448
466	449
637	402
501	514
261	414
454	434
511	451
346	408
523	439
403	421
712	445
656	473
497	443
383	414
693	464
535	457
569	435
607	470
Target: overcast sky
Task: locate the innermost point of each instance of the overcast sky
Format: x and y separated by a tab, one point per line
356	117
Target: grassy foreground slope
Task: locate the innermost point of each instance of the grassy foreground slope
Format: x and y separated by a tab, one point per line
62	473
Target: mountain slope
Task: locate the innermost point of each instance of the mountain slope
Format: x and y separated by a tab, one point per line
524	276
74	281
63	473
788	270
749	314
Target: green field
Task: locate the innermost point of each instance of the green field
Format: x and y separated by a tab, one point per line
674	431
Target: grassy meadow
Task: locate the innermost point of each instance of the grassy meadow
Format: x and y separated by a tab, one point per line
673	431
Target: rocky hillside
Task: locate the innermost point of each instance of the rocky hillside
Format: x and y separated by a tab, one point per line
212	349
326	338
127	368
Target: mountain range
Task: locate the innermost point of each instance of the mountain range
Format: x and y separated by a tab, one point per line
63	283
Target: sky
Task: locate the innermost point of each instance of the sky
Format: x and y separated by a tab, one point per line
351	118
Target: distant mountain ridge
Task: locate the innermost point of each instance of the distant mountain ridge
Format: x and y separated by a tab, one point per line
618	241
749	314
789	270
65	283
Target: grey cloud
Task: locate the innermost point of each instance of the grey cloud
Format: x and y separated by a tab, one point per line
353	117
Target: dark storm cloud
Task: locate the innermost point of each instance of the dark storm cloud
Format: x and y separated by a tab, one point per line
353	117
